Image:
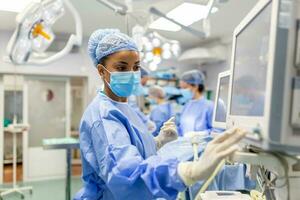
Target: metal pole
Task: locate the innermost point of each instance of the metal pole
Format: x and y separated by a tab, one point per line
68	178
14	159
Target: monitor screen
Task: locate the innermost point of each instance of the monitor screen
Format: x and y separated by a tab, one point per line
250	66
222	99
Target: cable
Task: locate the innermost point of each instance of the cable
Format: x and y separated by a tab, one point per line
210	179
286	168
284	163
267	183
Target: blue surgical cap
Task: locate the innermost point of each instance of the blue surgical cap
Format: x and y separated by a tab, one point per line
194	77
104	42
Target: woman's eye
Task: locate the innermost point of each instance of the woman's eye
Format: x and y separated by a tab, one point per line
136	67
121	68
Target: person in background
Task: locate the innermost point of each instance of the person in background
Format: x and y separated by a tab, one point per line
119	156
162	110
197	113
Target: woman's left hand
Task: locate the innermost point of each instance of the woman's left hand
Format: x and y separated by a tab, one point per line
168	133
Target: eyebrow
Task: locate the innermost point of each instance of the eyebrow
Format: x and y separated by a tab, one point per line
122	62
125	63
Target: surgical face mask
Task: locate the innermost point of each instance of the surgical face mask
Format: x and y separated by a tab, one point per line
123	84
187	94
152	101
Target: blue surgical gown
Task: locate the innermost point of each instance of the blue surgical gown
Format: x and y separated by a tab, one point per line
196	115
119	158
160	114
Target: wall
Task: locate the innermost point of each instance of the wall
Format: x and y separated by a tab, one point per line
74	64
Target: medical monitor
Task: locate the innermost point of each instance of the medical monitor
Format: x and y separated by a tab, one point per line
221	101
262	73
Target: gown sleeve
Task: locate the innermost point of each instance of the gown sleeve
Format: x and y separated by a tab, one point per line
209	118
120	165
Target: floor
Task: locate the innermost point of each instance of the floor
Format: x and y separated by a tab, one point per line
49	190
76	171
43	190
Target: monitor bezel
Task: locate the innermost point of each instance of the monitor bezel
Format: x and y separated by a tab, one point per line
250	123
217	124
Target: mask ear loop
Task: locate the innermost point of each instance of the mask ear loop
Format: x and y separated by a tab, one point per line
105	70
104	77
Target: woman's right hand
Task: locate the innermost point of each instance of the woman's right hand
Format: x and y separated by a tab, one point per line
219	148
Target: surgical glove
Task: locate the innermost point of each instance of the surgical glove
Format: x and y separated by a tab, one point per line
219	148
168	133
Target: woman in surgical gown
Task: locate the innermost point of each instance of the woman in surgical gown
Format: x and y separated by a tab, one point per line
197	113
118	154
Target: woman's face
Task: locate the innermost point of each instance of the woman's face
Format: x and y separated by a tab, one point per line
122	61
192	88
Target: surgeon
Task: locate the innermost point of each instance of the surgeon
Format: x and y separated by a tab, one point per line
118	154
161	109
197	113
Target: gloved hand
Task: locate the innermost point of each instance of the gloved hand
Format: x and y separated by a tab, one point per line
219	148
168	133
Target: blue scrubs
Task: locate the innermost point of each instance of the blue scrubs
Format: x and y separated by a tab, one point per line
196	115
119	158
160	114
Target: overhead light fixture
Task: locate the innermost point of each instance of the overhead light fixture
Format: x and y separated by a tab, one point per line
14	5
188	13
185	14
164	24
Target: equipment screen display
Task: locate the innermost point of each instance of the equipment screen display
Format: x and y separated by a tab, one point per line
222	100
250	66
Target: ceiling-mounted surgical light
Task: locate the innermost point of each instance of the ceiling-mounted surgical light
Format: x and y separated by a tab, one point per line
152	66
158	49
149	56
157	59
34	32
155	42
166	54
166	46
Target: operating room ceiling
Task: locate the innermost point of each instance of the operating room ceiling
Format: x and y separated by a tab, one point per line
94	15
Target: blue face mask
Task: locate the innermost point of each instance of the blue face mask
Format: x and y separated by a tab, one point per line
187	94
123	84
152	101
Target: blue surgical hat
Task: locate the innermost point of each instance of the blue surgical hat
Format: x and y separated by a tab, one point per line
104	42
194	77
